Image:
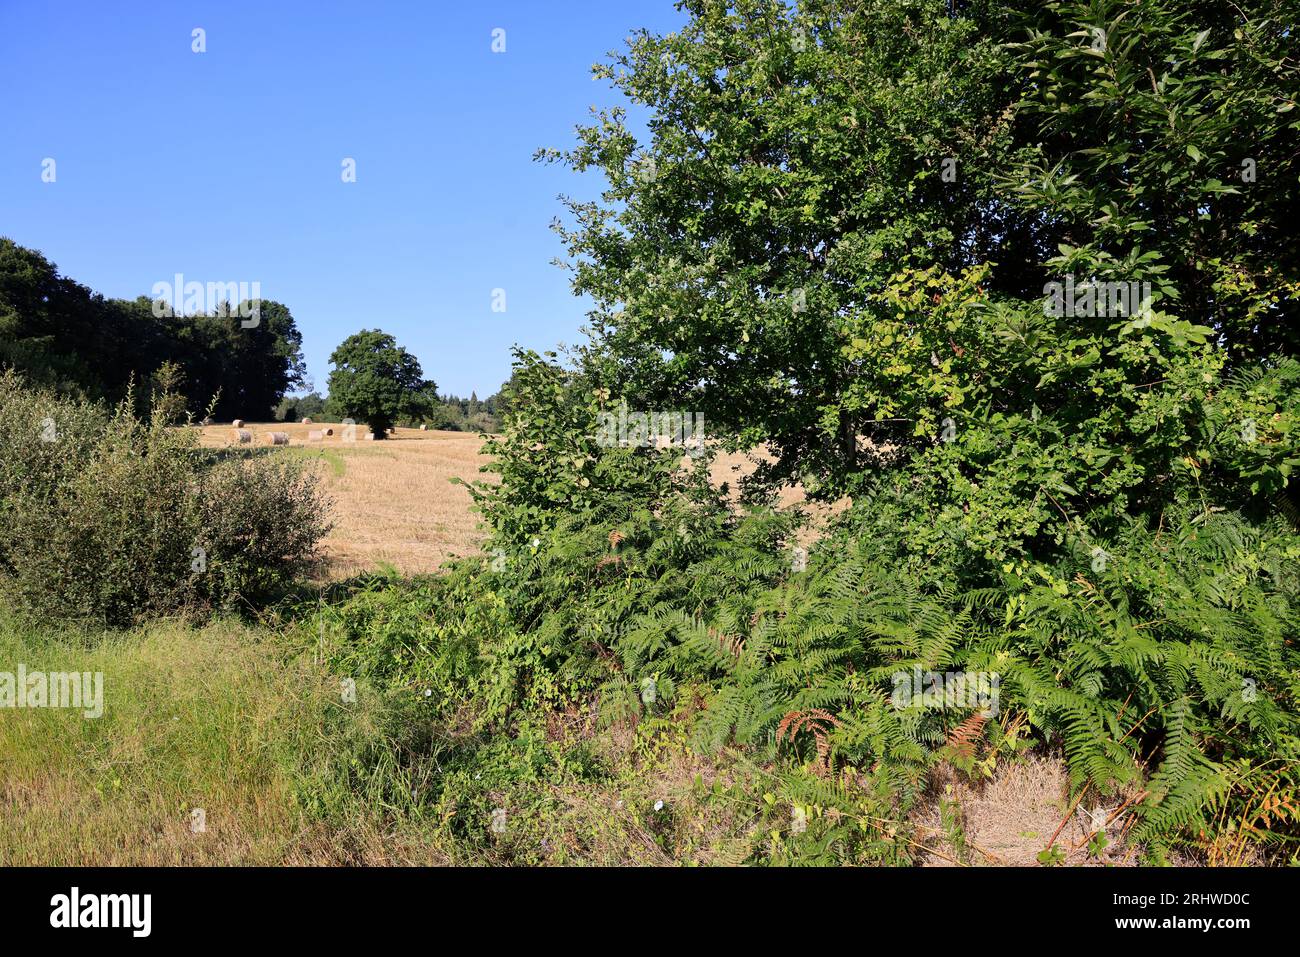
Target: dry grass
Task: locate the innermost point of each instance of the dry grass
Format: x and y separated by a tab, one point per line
395	504
394	500
734	467
1012	817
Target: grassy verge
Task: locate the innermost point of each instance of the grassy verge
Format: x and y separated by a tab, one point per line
226	719
241	722
193	718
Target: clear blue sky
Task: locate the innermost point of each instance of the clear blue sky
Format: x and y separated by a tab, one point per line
225	165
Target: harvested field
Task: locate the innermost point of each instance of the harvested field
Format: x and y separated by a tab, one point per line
394	502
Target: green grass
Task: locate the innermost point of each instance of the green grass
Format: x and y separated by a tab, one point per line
335	462
232	719
242	721
205	718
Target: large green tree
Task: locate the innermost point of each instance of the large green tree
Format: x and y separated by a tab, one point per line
795	162
757	256
1083	501
376	381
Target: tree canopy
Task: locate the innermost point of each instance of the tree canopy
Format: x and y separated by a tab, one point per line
1016	284
782	252
61	335
378	382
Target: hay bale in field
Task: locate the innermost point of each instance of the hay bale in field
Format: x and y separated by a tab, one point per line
315	435
368	437
277	438
329	431
243	436
238	423
424	428
307	421
392	431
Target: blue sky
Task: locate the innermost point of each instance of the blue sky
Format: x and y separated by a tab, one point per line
226	165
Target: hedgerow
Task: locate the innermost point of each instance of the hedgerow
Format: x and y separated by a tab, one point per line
1017	284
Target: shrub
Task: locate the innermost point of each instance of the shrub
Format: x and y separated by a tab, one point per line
1162	664
109	519
259	521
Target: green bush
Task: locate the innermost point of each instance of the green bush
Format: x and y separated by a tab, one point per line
1165	662
108	519
259	521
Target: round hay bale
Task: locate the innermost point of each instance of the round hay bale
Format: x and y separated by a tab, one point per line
243	436
368	437
238	423
277	438
315	435
329	431
307	421
424	427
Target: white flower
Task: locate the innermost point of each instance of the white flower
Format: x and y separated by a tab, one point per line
659	805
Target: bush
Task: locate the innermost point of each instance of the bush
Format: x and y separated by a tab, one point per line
1158	658
259	521
108	519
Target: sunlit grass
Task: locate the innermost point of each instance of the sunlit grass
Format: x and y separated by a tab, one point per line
193	718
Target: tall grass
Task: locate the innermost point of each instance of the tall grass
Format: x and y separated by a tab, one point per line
215	718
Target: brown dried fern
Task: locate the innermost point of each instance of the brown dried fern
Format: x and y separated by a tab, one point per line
963	738
810	721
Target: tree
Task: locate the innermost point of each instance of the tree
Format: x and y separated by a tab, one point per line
167	399
744	260
1071	486
296	408
376	381
795	162
61	335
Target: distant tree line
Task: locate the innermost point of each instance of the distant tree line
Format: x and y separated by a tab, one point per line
63	336
450	412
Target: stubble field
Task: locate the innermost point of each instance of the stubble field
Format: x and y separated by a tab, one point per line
394	501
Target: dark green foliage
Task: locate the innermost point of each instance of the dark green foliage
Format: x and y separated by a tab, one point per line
108	519
1169	665
62	336
1165	146
378	382
455	414
1093	505
297	408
